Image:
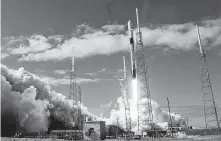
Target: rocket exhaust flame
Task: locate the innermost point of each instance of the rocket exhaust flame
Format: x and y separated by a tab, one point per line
135	97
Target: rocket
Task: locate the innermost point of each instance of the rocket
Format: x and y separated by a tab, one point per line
132	50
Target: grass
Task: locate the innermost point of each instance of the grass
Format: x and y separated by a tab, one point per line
203	132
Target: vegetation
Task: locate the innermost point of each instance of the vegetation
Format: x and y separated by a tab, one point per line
204	132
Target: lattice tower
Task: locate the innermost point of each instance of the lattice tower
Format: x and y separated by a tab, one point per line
144	108
210	111
73	93
123	83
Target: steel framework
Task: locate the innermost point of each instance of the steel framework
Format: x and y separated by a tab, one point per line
122	82
74	94
144	108
171	128
80	121
210	111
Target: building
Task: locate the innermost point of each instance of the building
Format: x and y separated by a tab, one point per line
113	131
95	130
67	134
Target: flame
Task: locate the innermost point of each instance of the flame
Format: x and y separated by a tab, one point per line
134	101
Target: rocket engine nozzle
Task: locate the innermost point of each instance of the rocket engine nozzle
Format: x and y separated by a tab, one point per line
134	73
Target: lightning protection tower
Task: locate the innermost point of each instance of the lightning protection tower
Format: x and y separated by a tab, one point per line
122	82
144	108
210	111
73	92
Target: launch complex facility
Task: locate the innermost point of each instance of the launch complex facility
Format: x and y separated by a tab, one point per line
141	107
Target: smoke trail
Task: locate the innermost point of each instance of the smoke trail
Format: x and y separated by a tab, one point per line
160	117
37	105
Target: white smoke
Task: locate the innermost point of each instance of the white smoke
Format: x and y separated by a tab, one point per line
160	118
34	100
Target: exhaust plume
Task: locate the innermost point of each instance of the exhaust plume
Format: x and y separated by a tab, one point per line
37	105
160	117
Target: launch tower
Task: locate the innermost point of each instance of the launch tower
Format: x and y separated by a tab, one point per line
145	118
122	82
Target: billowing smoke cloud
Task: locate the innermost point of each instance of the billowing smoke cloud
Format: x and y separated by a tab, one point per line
160	117
109	39
38	107
34	101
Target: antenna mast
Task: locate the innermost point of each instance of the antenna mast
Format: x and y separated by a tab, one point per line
144	121
210	111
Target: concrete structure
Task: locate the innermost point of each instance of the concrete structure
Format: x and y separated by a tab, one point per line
113	131
67	134
95	130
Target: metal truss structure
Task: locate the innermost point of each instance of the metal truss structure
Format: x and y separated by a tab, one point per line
122	82
144	108
210	111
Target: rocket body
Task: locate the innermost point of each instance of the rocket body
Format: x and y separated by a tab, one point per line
132	50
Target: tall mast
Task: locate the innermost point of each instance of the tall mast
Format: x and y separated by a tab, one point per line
210	111
144	122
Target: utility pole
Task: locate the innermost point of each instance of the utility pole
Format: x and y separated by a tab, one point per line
144	121
210	111
170	116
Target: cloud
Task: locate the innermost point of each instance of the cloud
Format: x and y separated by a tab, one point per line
110	39
36	102
4	55
60	72
39	71
160	117
66	81
96	73
107	105
22	45
91	74
102	70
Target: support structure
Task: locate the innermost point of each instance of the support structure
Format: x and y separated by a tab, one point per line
144	108
170	117
210	111
74	94
80	121
122	82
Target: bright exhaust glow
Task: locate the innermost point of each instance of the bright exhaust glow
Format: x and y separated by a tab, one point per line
134	85
134	95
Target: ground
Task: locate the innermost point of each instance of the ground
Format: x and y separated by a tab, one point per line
190	138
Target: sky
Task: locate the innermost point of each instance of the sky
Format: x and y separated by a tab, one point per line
39	36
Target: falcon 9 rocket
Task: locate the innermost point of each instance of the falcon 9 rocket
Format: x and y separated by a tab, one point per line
132	50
